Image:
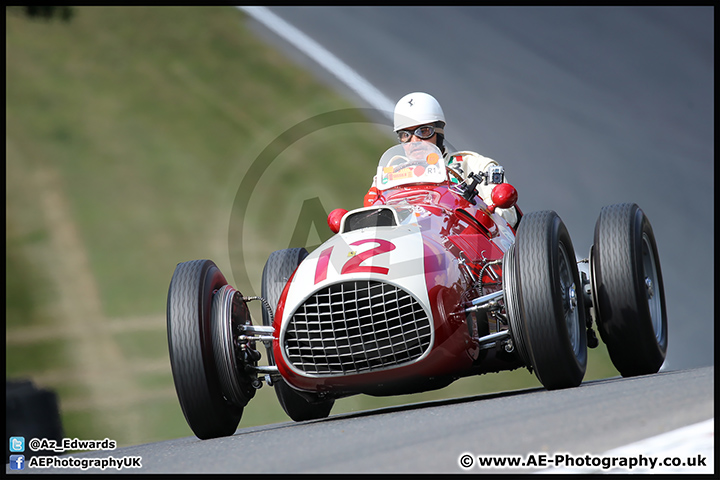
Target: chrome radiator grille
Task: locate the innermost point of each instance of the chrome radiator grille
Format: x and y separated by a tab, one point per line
355	327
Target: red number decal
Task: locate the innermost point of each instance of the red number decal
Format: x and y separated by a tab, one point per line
354	264
322	266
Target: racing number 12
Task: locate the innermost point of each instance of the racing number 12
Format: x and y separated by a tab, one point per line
353	265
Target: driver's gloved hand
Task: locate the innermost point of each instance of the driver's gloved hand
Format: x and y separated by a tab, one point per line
371	197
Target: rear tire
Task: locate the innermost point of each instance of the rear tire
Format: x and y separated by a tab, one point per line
544	301
628	290
189	303
279	267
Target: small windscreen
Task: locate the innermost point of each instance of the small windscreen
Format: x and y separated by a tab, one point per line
409	164
382	217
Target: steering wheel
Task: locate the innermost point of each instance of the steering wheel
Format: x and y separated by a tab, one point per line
397	157
455	174
409	164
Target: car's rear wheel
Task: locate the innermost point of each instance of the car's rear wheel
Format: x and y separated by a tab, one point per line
279	267
628	291
544	301
197	383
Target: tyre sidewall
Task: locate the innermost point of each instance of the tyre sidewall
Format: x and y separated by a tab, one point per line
196	380
625	322
543	319
278	269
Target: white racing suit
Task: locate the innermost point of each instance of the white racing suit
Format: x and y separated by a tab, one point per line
472	162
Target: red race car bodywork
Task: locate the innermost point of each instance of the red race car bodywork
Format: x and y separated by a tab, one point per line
425	239
423	286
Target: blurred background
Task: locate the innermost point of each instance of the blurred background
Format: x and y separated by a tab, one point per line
129	131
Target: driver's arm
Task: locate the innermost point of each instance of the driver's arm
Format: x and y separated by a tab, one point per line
476	163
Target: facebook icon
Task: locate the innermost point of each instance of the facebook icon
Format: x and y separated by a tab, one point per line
17	462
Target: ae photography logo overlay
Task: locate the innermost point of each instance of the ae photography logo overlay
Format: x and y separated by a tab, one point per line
20	462
588	462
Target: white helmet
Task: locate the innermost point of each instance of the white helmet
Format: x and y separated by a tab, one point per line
417	108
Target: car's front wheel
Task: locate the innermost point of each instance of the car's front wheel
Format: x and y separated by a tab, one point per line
197	383
279	267
544	301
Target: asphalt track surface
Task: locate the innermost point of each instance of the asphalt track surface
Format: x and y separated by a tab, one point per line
430	437
584	107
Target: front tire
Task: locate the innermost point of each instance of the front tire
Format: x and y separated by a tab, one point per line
544	301
628	290
197	384
279	267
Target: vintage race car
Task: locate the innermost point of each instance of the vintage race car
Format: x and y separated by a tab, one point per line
427	285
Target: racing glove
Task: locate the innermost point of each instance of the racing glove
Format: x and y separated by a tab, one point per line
371	197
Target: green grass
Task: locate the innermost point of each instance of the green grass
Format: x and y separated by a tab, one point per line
128	133
37	356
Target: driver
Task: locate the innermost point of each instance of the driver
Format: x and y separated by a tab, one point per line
418	117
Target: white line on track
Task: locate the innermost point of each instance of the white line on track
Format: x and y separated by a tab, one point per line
323	57
684	442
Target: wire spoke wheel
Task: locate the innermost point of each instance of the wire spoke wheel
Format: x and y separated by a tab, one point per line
229	312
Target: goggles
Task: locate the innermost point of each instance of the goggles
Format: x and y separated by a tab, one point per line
423	132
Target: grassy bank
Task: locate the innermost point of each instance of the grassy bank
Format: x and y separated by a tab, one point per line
128	133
